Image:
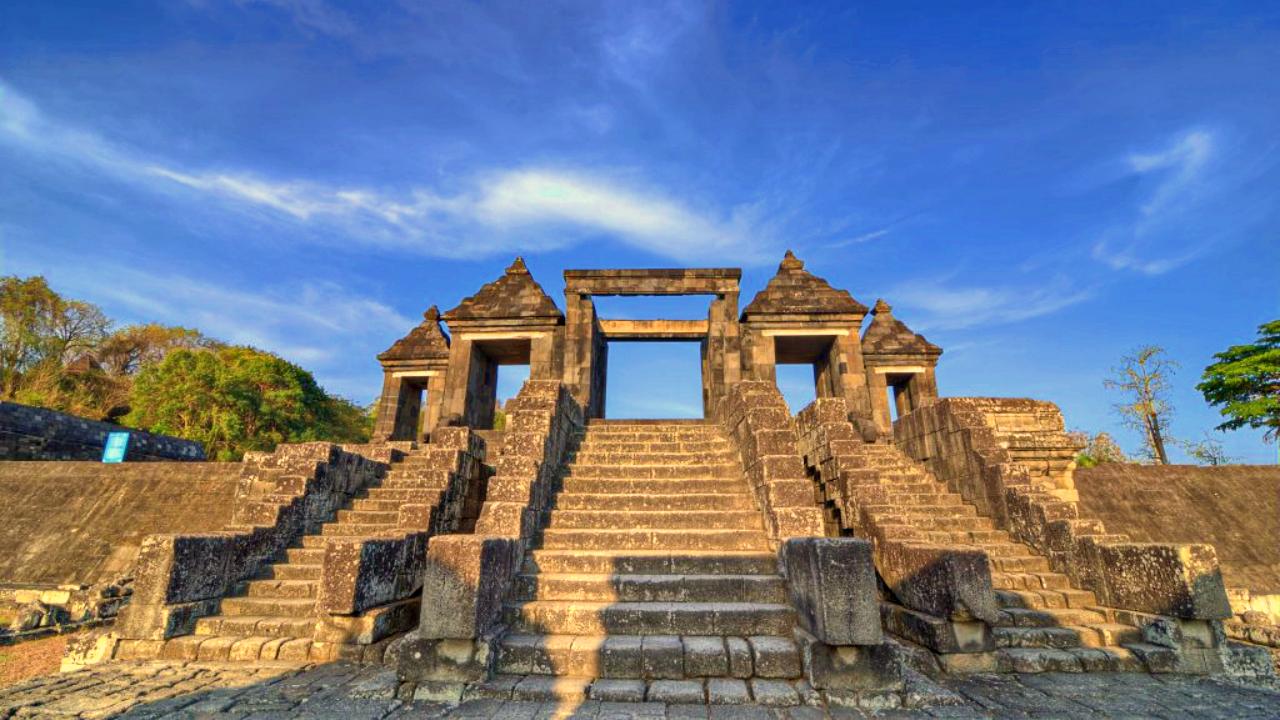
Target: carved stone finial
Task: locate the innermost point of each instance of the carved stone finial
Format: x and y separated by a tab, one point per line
518	267
432	314
791	262
882	308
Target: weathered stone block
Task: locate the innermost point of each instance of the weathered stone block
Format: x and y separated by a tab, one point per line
832	582
1178	580
464	581
942	581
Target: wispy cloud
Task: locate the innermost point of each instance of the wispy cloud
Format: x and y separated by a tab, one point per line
939	306
524	207
1177	180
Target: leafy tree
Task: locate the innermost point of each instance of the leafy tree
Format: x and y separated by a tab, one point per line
1206	451
235	399
1245	383
1098	450
126	350
1144	376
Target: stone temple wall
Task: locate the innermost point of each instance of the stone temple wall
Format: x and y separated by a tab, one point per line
31	433
82	522
1236	508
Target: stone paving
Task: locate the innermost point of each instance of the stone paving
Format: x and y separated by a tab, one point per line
342	691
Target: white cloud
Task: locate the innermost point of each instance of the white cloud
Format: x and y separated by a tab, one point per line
1154	241
525	208
943	307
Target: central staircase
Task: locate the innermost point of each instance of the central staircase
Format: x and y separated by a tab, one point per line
652	579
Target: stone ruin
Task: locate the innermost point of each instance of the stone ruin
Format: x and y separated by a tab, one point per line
837	555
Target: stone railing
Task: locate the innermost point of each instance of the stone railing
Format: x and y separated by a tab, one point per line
466	577
960	441
947	591
756	417
281	496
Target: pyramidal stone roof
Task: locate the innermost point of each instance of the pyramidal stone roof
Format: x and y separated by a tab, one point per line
888	335
424	342
514	295
796	290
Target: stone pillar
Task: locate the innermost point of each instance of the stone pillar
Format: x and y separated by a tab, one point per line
435	393
388	406
543	358
581	338
878	390
722	364
852	373
470	387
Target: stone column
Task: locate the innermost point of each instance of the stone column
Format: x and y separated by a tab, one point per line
580	354
388	406
435	393
879	394
852	373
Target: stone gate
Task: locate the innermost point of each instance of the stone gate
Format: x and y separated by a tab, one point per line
798	318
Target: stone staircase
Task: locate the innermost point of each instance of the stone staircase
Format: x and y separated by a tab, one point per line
1045	623
273	616
652	579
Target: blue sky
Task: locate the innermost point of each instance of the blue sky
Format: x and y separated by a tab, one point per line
1038	189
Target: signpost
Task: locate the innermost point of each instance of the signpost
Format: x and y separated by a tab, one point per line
116	447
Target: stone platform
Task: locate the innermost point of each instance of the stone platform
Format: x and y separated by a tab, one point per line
351	692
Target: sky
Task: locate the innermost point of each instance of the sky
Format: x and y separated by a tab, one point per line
1039	188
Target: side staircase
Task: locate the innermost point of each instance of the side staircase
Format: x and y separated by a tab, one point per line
1045	623
274	616
652	579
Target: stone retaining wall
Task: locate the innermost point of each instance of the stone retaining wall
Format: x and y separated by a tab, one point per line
83	522
32	433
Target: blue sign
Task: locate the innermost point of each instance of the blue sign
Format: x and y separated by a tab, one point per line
117	445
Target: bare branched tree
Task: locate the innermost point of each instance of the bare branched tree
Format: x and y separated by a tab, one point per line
1144	377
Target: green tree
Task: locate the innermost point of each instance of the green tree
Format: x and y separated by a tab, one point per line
1098	450
1144	377
41	332
235	399
1244	383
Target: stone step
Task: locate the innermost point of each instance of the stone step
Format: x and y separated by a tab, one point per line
657	471
291	571
624	446
1035	637
615	486
1024	564
371	505
1105	634
656	519
350	529
649	656
369	517
696	694
404	495
978	537
422	485
679	502
1073	660
281	589
1030	581
1070	598
1050	617
304	555
929	510
249	625
649	539
689	459
267	606
652	562
577	617
651	588
919	487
